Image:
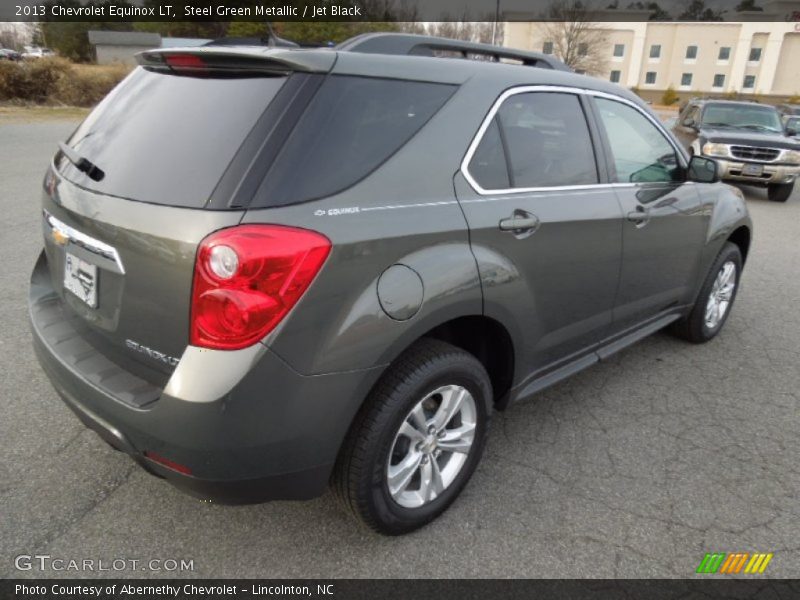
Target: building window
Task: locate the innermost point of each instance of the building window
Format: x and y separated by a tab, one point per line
615	76
686	80
619	50
724	53
691	52
650	78
583	49
755	55
547	48
749	82
655	51
719	80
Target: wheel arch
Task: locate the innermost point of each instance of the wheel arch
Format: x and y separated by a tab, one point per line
488	341
484	337
741	236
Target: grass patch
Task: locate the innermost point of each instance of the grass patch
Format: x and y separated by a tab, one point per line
57	82
29	114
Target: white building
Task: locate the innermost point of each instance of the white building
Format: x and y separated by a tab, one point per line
694	58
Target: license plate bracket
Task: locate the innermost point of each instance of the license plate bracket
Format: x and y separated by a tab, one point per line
80	279
752	170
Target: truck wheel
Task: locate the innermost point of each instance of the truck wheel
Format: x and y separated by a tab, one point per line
714	302
779	192
417	439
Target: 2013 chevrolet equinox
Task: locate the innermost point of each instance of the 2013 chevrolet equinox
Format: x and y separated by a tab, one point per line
266	269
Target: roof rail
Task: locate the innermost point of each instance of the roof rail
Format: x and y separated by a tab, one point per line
425	45
270	42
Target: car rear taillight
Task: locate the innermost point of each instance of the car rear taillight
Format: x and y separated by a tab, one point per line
247	278
185	61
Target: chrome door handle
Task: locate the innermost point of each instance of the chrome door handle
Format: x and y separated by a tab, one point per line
640	216
519	224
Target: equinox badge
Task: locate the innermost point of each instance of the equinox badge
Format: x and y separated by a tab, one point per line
155	354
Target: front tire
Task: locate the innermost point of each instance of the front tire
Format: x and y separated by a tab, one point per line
779	192
417	440
715	300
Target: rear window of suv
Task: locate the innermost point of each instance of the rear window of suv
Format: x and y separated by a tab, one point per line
167	139
352	126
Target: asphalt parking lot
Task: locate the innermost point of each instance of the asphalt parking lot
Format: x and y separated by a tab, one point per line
634	468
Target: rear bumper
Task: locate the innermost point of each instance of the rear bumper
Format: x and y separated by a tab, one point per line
731	170
274	435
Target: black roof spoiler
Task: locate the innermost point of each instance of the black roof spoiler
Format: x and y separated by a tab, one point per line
237	59
424	45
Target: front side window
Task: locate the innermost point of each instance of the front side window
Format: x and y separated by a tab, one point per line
655	51
640	152
724	53
619	50
755	55
691	52
547	48
544	139
614	77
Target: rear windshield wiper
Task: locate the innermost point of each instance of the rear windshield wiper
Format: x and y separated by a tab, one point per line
81	163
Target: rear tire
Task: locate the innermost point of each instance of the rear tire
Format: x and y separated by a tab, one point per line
715	300
393	447
779	192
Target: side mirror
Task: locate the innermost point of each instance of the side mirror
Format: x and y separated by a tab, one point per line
791	131
688	122
703	170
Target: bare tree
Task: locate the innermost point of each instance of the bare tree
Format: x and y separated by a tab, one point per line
14	35
575	39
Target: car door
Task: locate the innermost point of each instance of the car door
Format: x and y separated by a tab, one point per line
545	226
665	221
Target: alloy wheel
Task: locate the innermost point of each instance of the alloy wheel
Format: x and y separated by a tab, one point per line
431	446
719	300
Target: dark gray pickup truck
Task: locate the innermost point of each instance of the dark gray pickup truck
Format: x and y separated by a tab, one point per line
749	141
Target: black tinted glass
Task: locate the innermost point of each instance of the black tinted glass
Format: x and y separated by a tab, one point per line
168	139
548	140
488	165
352	125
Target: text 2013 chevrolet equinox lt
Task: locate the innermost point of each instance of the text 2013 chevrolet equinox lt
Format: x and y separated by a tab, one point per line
265	270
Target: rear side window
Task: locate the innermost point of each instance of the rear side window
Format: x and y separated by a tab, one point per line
167	139
547	143
488	165
352	126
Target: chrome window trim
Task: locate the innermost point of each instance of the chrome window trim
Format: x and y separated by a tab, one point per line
85	241
476	140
